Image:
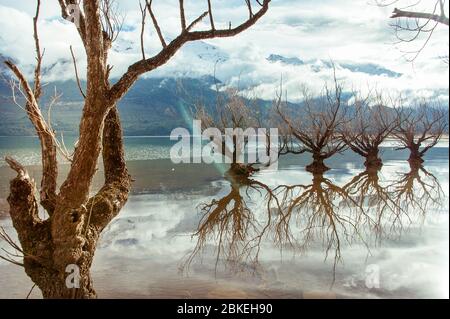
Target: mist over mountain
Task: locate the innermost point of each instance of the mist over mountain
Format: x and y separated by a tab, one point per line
319	65
154	105
284	60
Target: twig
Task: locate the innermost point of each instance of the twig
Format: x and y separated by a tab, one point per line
144	14
31	290
155	23
76	73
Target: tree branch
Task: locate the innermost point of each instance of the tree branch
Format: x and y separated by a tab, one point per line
249	5
31	230
95	109
200	18
155	23
17	167
143	15
39	55
82	26
107	203
211	18
182	16
397	13
143	66
46	137
76	73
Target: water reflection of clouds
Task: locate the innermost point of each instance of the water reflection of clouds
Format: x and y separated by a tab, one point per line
157	228
413	265
145	226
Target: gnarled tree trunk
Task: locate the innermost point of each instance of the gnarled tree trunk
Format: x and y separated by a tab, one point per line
58	251
51	245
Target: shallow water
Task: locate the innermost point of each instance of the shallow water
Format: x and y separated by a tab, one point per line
149	250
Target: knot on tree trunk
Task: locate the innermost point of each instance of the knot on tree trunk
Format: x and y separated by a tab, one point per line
67	233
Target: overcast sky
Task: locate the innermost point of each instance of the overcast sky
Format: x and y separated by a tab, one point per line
355	31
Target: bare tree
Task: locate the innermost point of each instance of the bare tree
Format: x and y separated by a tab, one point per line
287	143
70	234
317	126
414	21
235	112
419	129
368	126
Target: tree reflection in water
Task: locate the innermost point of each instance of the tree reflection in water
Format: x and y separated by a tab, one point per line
302	215
417	190
377	199
233	225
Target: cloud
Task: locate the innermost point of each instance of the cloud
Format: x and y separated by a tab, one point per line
347	31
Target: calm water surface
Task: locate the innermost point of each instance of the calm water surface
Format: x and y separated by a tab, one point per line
190	232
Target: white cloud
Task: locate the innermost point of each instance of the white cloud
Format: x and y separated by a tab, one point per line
344	30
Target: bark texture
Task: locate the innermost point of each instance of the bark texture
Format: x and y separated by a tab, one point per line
69	235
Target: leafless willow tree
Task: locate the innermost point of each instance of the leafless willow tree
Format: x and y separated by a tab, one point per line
367	127
70	234
419	129
287	142
316	126
416	21
235	112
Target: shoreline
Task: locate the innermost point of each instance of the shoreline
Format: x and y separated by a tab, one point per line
150	176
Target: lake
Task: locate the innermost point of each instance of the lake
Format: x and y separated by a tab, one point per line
189	231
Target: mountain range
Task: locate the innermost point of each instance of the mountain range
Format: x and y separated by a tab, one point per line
318	65
154	106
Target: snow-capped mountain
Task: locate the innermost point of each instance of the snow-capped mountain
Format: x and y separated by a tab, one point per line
319	65
204	51
370	68
285	60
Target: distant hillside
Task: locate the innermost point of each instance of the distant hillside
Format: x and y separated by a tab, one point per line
151	107
154	106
